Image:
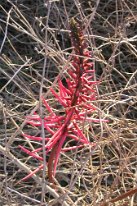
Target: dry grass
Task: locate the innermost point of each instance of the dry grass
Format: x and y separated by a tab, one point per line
34	50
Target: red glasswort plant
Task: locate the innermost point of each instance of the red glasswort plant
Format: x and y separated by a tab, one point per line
76	99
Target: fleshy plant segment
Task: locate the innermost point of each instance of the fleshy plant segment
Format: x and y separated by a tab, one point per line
75	98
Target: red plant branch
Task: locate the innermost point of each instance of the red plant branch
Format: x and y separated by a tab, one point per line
76	98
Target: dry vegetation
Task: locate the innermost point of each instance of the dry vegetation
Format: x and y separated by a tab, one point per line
35	47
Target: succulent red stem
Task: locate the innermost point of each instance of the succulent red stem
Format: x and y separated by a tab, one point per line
76	99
